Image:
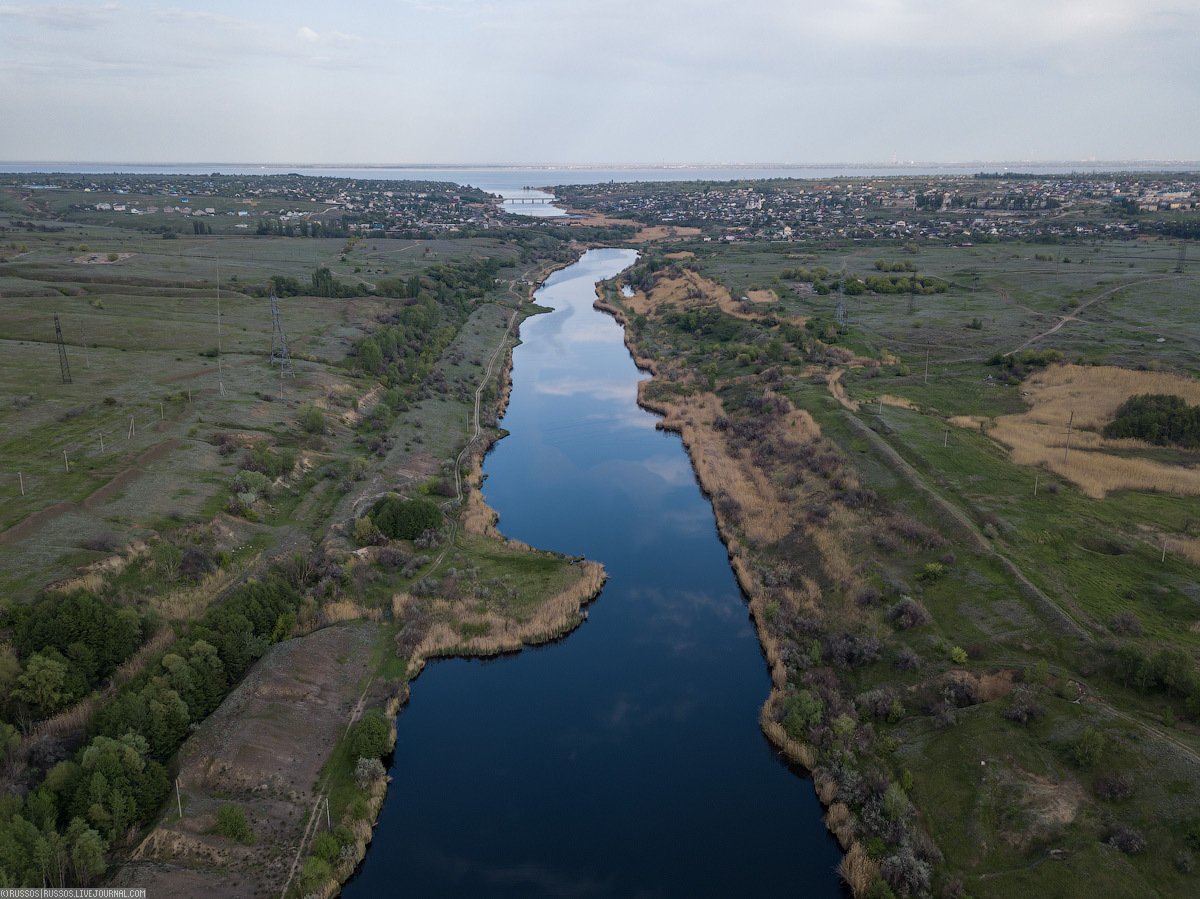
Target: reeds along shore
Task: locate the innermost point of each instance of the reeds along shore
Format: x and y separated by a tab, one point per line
553	618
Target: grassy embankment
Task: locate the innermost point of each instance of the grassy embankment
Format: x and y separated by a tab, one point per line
164	491
927	619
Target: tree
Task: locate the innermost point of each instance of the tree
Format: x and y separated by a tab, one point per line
41	684
87	852
312	419
404	519
372	737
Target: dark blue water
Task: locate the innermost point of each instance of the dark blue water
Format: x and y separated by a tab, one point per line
625	760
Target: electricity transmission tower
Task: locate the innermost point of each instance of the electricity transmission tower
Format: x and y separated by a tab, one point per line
279	345
1182	258
63	366
841	300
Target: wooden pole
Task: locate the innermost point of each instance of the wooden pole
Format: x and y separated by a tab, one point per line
927	366
83	339
161	414
1070	422
946	439
132	429
178	800
21	478
1164	555
1035	482
66	464
101	441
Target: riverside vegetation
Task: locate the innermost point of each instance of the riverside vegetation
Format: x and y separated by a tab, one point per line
187	535
981	644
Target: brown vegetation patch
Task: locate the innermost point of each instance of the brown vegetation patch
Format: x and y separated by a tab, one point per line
1092	395
762	296
1049	804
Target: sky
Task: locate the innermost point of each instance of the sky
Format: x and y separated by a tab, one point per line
599	81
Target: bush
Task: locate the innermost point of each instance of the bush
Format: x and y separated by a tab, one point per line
1088	747
905	873
1114	787
804	711
909	613
1126	624
312	419
231	823
368	772
316	871
931	572
405	519
371	738
1127	840
1024	706
958	655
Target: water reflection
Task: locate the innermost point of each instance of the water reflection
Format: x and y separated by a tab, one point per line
625	760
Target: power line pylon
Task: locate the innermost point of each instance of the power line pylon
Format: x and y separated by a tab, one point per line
63	365
1182	258
841	301
279	344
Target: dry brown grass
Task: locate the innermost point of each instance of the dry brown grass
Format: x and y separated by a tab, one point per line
826	788
692	291
897	401
834	382
859	870
187	603
1039	436
763	515
334	613
972	422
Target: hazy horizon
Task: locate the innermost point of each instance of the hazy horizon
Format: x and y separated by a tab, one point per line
628	81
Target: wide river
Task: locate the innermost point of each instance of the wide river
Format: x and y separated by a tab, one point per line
625	760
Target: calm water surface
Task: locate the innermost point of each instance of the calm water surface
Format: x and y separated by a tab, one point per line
625	760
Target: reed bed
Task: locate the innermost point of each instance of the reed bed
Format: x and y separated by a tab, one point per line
1184	547
556	616
798	753
858	870
763	515
837	820
335	613
187	603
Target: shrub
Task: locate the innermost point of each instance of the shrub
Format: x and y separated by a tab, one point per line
1127	840
958	655
1114	787
909	613
1088	747
931	572
371	738
1126	623
1024	706
364	530
367	773
315	873
905	873
312	419
804	710
231	823
405	519
907	659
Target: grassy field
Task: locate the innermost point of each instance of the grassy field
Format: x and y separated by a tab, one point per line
1025	571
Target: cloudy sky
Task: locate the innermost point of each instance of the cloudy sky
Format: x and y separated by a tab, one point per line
599	81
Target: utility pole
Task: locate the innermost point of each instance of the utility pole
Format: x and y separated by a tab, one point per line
1070	422
87	363
927	365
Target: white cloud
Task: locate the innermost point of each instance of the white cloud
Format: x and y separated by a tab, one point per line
307	34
